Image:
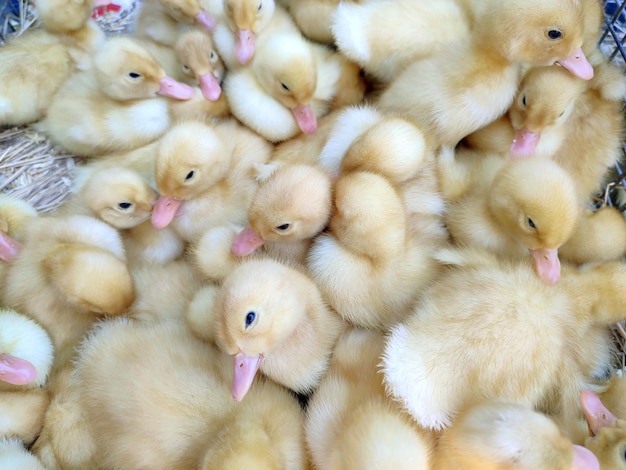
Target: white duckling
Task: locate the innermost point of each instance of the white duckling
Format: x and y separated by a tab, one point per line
205	177
460	321
477	79
113	106
33	67
15	456
249	324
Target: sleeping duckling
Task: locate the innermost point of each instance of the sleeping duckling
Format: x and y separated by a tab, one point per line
607	433
249	325
504	436
113	106
200	62
70	270
164	20
289	208
352	423
195	422
205	177
529	206
598	236
488	312
478	78
366	32
33	67
26	356
14	455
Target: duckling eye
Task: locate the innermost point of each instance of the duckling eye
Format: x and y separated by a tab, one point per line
250	317
524	100
260	5
285	87
134	75
562	114
189	175
212	56
554	34
624	453
185	68
531	223
283	227
124	205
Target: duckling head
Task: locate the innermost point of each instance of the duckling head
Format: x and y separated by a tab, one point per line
534	201
196	51
189	11
14	215
607	434
247	18
257	307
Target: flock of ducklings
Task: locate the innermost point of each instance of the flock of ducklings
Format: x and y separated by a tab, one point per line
316	234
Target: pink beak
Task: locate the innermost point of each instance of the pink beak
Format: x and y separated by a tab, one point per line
164	211
246	242
578	64
205	20
307	122
524	143
16	371
547	264
244	45
246	368
175	89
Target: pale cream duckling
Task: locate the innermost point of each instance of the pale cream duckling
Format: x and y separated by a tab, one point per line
26	356
598	236
195	422
15	456
205	177
33	67
200	62
502	435
384	37
486	69
351	421
371	266
164	20
529	206
487	313
70	271
289	208
607	433
271	317
113	106
313	17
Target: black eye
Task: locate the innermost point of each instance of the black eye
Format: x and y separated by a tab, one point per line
134	75
250	317
212	56
531	223
524	100
185	68
285	87
283	227
554	34
624	453
260	5
189	175
562	114
124	205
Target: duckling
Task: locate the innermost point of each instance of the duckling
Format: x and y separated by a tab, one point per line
15	214
164	20
607	433
204	174
313	17
530	205
287	86
113	106
460	321
195	401
33	67
352	423
504	435
14	455
71	270
372	263
26	355
598	236
486	69
245	24
293	351
200	62
289	208
198	108
212	254
366	32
